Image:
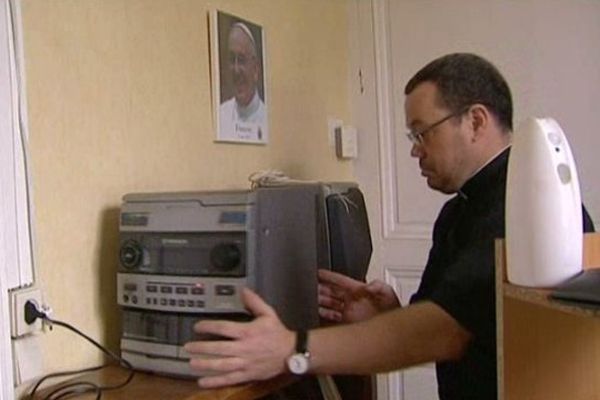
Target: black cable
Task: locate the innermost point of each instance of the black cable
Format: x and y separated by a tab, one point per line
76	388
61	374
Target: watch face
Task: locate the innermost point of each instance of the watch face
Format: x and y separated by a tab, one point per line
298	363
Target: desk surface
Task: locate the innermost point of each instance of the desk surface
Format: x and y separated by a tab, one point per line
154	387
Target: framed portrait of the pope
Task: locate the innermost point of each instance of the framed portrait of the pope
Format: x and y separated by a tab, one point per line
238	70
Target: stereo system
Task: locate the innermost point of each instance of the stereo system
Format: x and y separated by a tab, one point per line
184	257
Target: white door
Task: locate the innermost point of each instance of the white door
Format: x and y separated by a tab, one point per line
401	207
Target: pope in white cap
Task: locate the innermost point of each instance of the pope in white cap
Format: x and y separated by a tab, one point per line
244	115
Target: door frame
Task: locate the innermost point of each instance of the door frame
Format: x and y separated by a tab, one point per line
373	98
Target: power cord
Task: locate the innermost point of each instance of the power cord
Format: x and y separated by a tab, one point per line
69	390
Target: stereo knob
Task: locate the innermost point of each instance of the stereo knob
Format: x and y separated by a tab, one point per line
130	254
225	256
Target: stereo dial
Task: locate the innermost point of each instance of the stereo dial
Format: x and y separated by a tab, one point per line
130	254
225	256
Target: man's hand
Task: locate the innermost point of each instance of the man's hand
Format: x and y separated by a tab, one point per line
257	349
343	299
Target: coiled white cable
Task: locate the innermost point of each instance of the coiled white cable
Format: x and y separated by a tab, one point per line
272	177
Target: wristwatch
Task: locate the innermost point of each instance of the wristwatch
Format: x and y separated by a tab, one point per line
299	362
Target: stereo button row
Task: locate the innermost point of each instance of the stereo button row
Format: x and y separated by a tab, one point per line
178	289
155	301
220	290
165	301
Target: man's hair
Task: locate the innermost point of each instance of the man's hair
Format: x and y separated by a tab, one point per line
463	79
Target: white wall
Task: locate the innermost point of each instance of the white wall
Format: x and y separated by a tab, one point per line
548	50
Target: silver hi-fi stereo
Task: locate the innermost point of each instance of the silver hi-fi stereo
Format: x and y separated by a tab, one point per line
186	256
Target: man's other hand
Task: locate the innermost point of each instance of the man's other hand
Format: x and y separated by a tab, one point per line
343	299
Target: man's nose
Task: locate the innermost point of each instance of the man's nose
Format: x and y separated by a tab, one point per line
416	150
236	63
236	66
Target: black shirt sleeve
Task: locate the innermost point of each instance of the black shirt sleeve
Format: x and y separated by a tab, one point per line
588	224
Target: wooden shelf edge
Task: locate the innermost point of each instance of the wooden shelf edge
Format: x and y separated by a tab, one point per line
541	297
591	260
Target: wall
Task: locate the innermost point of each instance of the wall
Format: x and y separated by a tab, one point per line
547	50
119	101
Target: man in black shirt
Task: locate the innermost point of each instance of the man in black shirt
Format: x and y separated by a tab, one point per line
459	115
459	275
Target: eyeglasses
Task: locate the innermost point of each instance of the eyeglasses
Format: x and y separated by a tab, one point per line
240	60
417	137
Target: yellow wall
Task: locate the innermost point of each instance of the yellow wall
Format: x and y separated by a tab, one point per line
119	101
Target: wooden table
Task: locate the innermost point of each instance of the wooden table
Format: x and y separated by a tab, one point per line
547	350
146	386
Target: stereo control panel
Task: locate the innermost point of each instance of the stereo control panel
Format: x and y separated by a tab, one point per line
180	293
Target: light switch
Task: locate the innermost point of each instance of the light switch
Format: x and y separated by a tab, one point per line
346	142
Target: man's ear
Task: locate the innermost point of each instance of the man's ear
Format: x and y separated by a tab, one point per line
479	118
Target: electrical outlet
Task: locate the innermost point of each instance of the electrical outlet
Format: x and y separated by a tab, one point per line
18	299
